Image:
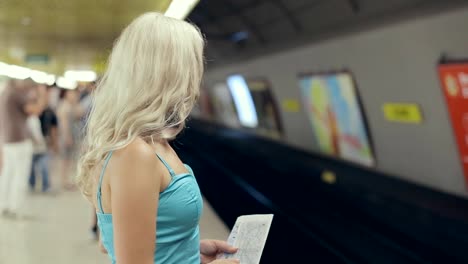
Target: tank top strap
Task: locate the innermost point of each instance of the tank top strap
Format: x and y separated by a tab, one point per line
101	177
171	171
189	169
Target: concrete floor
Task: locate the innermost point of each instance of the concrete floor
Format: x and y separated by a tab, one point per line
59	232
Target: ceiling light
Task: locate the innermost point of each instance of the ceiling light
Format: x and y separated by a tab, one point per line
17	53
42	77
17	72
38	76
13	71
66	83
50	80
26	21
180	8
81	76
3	68
243	100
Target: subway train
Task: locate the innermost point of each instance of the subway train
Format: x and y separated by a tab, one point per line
358	146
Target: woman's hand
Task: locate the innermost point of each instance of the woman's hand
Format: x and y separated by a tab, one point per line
225	261
209	249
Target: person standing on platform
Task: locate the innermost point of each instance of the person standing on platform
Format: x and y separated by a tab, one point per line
147	200
40	158
85	107
44	134
20	100
67	113
49	124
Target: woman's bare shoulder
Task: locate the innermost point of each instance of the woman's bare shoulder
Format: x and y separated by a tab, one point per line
137	160
138	149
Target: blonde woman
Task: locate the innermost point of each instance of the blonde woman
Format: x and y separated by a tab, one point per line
148	202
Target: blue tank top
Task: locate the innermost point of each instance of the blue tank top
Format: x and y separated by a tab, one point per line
179	210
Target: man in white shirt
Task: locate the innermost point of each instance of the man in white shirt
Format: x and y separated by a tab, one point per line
20	99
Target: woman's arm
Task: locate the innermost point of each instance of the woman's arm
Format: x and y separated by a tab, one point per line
134	187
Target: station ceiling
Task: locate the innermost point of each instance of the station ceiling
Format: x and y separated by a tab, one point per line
243	29
58	35
52	35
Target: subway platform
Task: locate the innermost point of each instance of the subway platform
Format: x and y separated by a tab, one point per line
57	229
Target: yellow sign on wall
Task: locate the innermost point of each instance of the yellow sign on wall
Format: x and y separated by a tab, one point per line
329	177
403	113
291	105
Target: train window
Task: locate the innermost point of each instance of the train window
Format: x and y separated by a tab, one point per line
205	104
269	123
223	105
332	104
243	101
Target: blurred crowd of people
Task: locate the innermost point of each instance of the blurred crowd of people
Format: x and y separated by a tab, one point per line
40	126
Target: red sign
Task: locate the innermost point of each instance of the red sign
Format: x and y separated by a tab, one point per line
454	78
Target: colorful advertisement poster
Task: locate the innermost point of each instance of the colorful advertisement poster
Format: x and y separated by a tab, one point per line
454	79
332	105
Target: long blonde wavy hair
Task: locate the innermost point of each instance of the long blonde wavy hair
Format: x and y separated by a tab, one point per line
148	90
